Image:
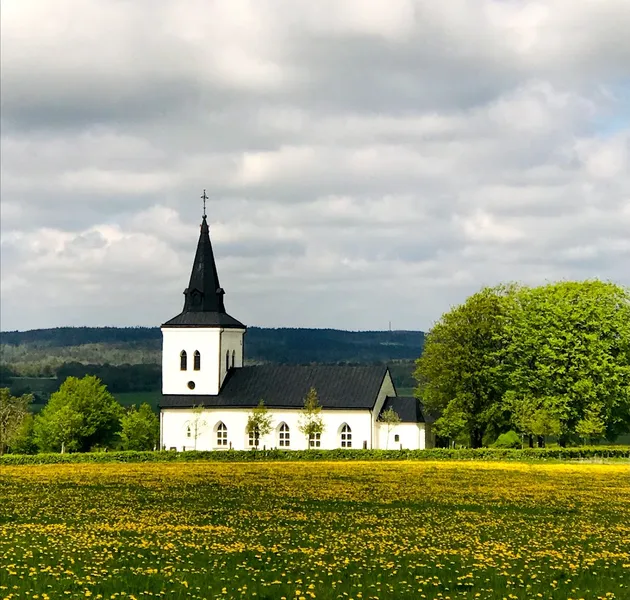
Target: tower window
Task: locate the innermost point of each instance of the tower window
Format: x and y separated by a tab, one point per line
227	361
233	357
183	360
346	436
197	361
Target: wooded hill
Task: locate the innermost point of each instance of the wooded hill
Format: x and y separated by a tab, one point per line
141	345
128	359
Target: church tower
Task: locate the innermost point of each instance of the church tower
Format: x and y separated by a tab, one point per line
203	342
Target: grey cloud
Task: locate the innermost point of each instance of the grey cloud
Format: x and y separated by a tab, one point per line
364	162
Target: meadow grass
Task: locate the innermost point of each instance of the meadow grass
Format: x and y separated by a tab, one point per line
301	530
138	398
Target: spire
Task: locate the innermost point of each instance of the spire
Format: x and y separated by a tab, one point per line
203	304
204	293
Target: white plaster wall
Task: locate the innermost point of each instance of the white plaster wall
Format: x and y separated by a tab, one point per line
231	341
208	341
412	436
174	423
387	389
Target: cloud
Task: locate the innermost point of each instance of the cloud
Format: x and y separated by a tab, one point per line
366	161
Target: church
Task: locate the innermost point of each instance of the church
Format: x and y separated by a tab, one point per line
208	392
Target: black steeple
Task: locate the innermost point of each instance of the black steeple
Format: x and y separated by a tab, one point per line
203	304
204	293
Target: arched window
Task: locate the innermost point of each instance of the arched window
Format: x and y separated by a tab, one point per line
222	434
346	436
227	361
188	431
183	360
197	361
315	440
253	437
233	357
284	436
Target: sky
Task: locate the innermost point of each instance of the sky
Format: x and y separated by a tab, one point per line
366	161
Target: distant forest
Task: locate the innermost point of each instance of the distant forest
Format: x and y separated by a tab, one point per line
128	359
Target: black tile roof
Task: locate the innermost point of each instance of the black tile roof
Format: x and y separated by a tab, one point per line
204	319
286	386
409	409
203	304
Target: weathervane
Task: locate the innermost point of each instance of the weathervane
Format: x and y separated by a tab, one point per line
204	198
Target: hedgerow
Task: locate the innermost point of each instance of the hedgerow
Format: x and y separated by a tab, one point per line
580	453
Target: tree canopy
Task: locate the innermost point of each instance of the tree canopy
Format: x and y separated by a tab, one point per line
140	428
552	360
81	415
458	375
567	360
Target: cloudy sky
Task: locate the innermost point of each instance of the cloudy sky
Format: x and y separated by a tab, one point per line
366	160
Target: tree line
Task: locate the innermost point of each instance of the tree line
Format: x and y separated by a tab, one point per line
42	353
81	416
544	361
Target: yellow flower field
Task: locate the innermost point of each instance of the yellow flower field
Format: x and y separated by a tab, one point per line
301	530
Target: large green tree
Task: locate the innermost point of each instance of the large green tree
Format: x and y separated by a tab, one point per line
567	360
459	376
140	428
82	414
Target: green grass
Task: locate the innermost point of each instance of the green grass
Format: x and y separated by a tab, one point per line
398	530
138	398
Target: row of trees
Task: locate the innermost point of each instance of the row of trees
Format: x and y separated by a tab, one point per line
310	423
546	361
80	416
259	421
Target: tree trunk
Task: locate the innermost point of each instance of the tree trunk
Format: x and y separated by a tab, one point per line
476	438
541	441
531	440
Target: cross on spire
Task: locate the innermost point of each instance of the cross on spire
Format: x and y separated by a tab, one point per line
204	197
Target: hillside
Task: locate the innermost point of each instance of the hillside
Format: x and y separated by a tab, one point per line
141	345
128	359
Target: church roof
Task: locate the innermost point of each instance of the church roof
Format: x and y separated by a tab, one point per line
286	386
203	304
408	408
204	319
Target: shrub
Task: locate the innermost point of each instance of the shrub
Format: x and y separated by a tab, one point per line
510	439
587	452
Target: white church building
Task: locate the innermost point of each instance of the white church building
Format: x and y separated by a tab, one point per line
208	393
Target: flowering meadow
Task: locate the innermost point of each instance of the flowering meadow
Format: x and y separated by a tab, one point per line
302	530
